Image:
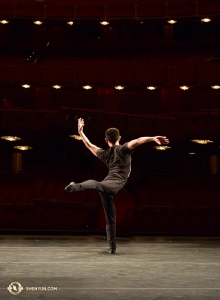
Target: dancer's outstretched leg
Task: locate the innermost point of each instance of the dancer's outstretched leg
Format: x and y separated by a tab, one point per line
106	188
111	186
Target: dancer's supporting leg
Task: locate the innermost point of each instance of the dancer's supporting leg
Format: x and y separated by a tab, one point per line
110	216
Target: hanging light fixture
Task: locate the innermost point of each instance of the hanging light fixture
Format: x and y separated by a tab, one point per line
202	142
23	148
70	23
57	87
87	87
11	138
215	87
104	23
206	20
26	86
4	22
119	87
172	21
38	22
184	87
162	147
151	88
76	137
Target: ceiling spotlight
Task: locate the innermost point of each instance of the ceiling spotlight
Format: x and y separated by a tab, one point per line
172	21
57	87
202	142
70	23
38	22
216	87
87	87
104	23
23	147
119	87
184	87
162	147
206	20
4	21
151	88
26	86
10	138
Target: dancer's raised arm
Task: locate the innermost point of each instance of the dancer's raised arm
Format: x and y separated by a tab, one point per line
145	139
93	148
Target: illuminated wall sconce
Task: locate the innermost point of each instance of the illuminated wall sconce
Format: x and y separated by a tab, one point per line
57	87
215	87
104	23
11	138
119	87
70	23
26	86
4	22
162	147
202	142
184	87
38	22
76	137
23	148
172	21
151	88
206	20
192	153
87	87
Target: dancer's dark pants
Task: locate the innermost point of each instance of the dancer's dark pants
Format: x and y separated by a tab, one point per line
106	188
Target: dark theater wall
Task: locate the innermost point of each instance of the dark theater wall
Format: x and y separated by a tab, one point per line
183	206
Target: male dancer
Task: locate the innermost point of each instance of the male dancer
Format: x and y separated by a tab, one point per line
118	160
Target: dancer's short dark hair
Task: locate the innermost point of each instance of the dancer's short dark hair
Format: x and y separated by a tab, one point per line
112	135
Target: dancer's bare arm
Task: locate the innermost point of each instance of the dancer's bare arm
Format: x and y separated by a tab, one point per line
88	144
145	139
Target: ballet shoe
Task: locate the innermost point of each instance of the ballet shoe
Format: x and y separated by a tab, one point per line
72	187
111	250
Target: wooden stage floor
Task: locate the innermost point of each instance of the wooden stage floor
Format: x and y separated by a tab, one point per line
77	267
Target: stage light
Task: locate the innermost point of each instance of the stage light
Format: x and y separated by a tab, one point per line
151	88
87	87
184	87
57	87
26	86
10	138
38	22
162	147
4	21
206	20
172	21
215	87
202	142
23	147
70	23
104	23
119	87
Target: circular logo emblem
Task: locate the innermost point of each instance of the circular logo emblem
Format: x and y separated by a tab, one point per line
15	288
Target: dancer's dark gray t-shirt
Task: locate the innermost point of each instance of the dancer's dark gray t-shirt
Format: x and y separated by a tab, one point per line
118	161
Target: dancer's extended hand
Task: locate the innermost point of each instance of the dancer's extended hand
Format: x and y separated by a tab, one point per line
80	125
161	140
